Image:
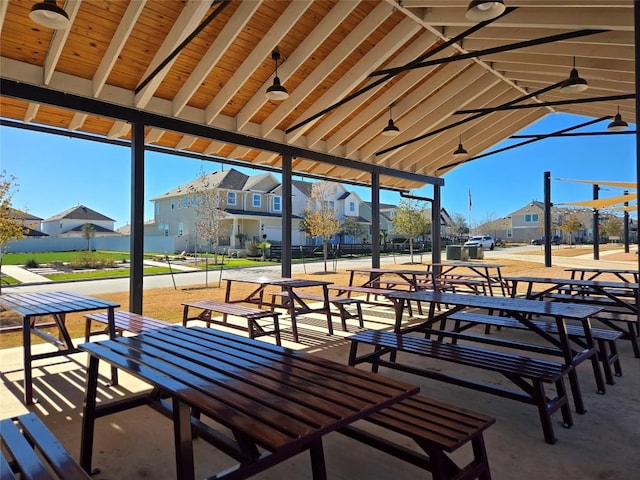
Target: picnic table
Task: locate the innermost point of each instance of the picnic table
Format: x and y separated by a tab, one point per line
35	305
521	310
621	295
491	273
376	277
591	273
295	304
275	402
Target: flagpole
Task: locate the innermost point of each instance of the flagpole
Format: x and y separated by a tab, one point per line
469	213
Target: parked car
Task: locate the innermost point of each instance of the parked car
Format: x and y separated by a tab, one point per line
484	241
540	241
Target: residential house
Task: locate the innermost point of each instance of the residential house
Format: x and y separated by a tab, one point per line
31	225
252	205
70	222
527	223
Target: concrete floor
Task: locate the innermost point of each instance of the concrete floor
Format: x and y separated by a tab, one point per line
603	443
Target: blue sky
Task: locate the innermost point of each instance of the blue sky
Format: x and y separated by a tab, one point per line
55	173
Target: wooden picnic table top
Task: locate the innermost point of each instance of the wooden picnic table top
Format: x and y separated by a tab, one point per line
32	304
466	264
555	309
282	400
574	282
280	281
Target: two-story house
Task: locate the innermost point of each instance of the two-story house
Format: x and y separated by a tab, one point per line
252	206
70	222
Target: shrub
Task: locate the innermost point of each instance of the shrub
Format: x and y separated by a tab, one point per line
252	248
91	260
31	263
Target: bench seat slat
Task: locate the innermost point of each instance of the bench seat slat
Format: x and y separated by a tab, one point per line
54	462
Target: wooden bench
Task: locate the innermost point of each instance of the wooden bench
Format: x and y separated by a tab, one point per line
529	374
465	285
605	339
339	302
437	428
252	315
124	322
611	317
30	450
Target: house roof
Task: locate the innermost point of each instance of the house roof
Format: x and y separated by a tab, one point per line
97	228
304	187
79	212
230	179
22	215
343	63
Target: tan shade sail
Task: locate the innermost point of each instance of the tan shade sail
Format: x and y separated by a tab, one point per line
628	208
603	202
631	185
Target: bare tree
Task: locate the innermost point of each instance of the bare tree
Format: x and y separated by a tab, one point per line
459	225
88	232
319	217
11	220
612	227
410	220
210	212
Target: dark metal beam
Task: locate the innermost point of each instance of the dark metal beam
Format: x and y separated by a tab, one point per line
576	134
490	51
93	106
136	275
510	147
182	153
469	119
374	84
554	103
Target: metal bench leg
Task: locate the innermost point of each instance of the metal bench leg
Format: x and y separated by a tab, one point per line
318	467
544	412
576	392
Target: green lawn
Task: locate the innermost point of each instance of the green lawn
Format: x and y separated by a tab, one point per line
108	273
48	257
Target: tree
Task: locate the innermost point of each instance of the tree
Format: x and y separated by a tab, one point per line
210	212
459	225
570	226
352	228
410	220
88	232
319	217
11	220
612	227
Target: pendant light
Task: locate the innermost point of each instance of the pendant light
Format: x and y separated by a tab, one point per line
618	125
574	84
276	92
390	130
50	15
460	151
481	10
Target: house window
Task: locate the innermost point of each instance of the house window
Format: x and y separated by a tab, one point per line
157	208
180	228
332	204
352	206
179	203
256	200
186	202
173	204
231	198
194	200
531	217
277	204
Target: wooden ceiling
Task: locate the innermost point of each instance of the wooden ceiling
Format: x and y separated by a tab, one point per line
329	51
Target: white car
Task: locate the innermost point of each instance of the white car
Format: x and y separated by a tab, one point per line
485	241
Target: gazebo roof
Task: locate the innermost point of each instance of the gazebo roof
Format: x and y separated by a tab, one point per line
210	63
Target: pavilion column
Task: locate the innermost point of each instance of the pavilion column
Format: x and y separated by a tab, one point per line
234	230
136	275
375	219
436	254
596	226
636	23
287	211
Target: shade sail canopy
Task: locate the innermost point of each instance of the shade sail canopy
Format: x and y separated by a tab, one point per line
606	183
603	202
628	208
210	64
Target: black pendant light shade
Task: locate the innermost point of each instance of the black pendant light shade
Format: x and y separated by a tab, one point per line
391	130
276	91
460	151
481	10
617	125
50	15
574	84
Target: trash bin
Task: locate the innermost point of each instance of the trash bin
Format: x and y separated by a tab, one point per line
457	252
475	251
